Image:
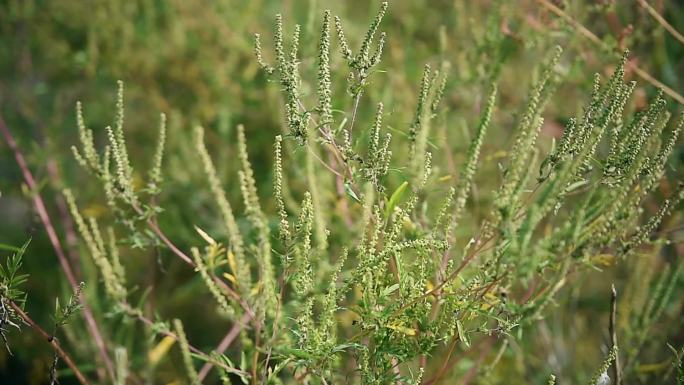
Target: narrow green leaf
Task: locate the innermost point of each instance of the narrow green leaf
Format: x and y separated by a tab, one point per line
348	189
4	246
395	198
461	334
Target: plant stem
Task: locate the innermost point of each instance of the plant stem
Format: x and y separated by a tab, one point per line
356	107
138	314
91	324
617	377
224	344
661	20
157	231
52	341
396	370
70	237
596	40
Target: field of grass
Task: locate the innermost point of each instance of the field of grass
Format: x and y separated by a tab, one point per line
245	221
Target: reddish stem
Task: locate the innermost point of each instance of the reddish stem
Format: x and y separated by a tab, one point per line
225	343
52	341
57	246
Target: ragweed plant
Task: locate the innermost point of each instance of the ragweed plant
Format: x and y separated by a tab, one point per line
370	271
13	314
11	292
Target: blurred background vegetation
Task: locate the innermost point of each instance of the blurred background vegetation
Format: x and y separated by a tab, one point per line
193	60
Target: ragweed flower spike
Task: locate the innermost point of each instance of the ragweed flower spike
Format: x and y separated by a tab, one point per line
344	46
281	64
259	222
378	52
259	55
111	271
185	352
284	224
426	106
293	64
287	71
363	59
248	184
379	155
215	291
156	170
290	80
117	267
88	158
302	271
468	171
601	377
645	232
324	92
326	333
439	92
526	135
419	116
235	238
668	146
117	142
296	120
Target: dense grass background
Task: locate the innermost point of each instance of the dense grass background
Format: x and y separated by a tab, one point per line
194	61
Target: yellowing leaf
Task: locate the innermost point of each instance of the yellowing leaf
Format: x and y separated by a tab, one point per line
358	292
444	178
158	352
656	367
408	224
206	236
231	261
94	210
491	299
403	329
256	289
603	259
497	155
346	317
137	181
230	278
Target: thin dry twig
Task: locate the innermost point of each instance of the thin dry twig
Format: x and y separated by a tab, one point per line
224	344
235	331
445	364
152	224
617	375
70	237
396	370
595	39
141	317
661	20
